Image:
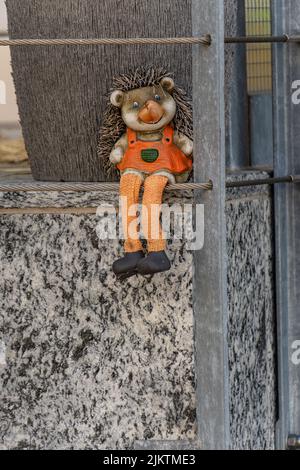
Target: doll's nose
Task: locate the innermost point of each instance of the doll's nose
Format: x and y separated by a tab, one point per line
151	113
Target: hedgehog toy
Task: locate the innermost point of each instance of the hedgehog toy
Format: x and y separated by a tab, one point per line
146	137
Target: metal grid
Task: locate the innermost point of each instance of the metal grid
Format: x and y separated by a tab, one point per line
259	56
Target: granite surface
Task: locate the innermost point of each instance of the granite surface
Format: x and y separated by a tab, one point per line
76	199
88	363
251	335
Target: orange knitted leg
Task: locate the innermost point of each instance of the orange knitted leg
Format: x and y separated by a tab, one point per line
130	186
152	200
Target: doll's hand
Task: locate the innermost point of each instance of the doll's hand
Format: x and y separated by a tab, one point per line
116	155
184	144
187	147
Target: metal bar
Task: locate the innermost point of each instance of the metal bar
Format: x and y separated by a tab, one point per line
293	442
286	17
210	274
262	182
37	186
204	40
260	39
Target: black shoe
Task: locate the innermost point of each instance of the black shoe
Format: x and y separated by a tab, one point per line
127	267
156	262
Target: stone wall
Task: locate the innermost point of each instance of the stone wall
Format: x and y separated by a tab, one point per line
86	362
251	304
89	362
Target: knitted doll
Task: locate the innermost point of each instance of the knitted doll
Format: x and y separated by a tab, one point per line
146	137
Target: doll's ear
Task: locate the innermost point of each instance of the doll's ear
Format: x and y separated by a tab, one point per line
117	98
167	84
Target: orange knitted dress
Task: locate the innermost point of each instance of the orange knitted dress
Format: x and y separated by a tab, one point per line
148	158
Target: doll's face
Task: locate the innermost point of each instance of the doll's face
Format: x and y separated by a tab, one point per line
147	109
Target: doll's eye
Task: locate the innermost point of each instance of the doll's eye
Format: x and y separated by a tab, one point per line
157	97
135	105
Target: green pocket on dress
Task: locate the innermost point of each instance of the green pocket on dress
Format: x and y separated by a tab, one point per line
150	155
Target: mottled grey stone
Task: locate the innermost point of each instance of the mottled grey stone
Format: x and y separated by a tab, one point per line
88	363
251	335
74	199
167	445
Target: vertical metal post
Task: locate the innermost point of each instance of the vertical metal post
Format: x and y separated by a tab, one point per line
286	19
210	300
